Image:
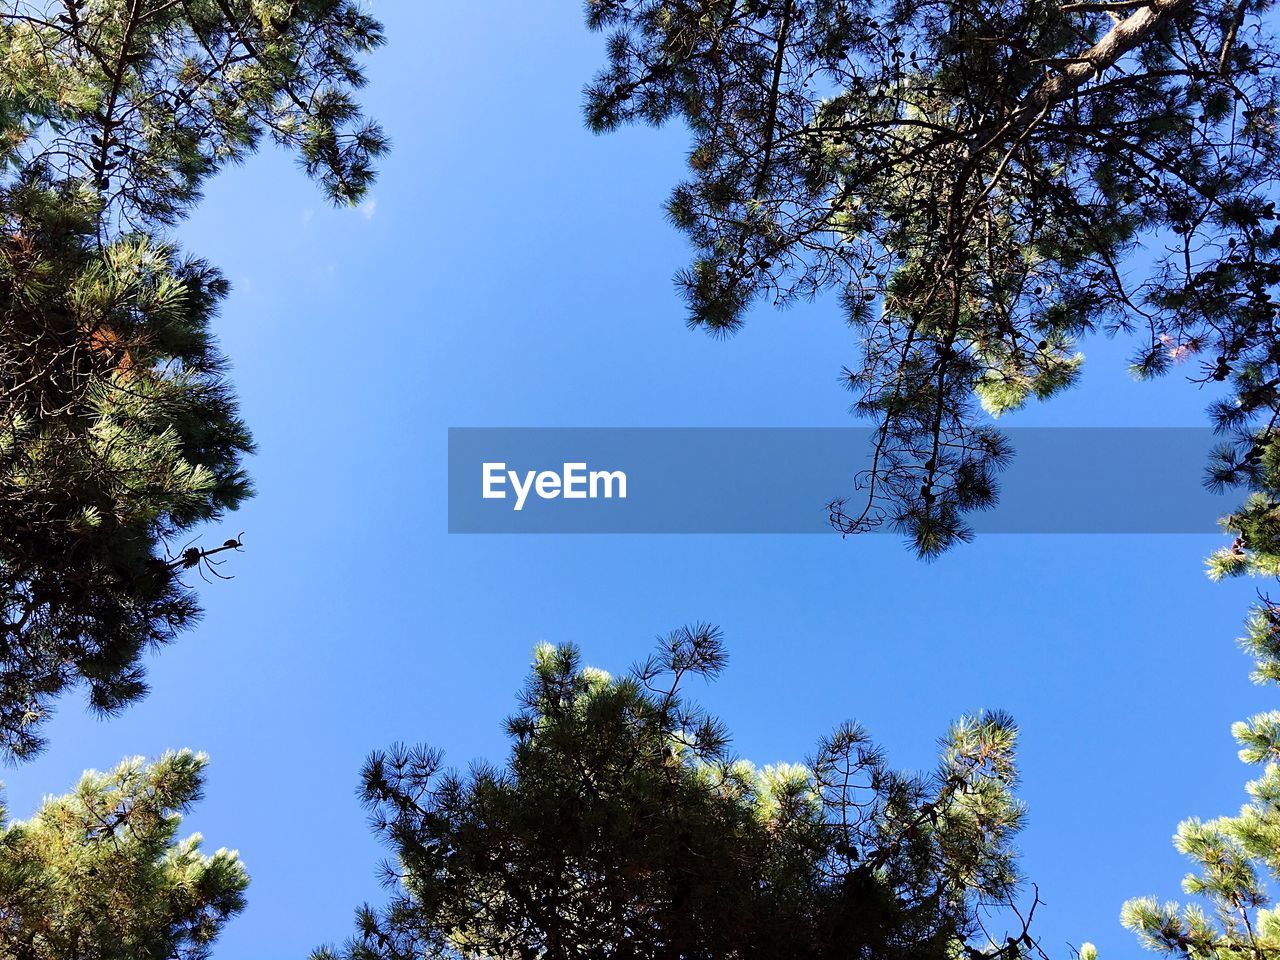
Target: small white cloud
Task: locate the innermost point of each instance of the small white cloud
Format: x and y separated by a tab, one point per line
308	215
369	208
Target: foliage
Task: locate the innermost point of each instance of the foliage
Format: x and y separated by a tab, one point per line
98	874
976	179
118	431
622	826
1236	856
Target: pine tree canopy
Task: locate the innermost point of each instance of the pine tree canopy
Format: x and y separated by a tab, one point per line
118	431
99	874
983	182
621	825
1238	858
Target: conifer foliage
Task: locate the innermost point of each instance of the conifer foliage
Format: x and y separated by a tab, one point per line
118	431
973	178
1237	858
98	874
622	826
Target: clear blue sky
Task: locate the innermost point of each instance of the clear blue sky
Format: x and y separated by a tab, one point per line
511	269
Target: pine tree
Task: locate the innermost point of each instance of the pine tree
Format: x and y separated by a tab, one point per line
974	178
119	435
621	825
1237	858
99	874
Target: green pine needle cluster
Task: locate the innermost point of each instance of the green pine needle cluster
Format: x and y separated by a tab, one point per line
621	824
100	874
983	183
119	434
120	437
1237	858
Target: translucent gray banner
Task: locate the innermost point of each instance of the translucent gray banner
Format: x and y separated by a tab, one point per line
780	480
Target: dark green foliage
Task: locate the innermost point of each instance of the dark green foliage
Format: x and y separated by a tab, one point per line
622	826
974	177
99	874
142	101
119	435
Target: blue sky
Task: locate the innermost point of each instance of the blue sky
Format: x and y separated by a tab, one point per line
511	269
